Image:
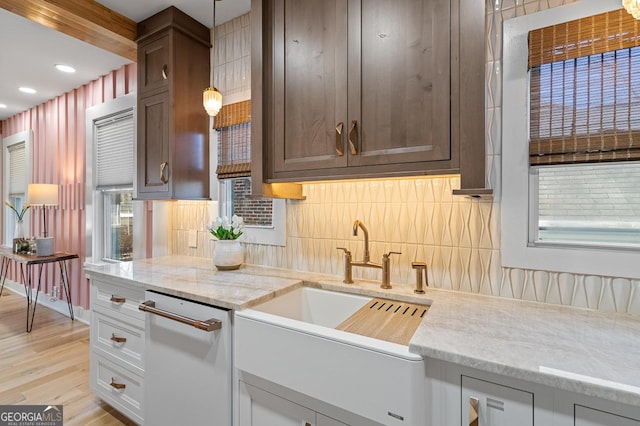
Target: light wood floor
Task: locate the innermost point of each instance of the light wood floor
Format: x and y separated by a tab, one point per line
50	365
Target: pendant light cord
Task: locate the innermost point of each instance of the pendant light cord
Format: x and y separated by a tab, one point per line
213	45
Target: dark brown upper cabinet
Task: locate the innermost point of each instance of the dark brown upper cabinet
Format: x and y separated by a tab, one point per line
173	127
354	88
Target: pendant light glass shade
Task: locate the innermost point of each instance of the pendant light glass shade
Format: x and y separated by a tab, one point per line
633	7
212	101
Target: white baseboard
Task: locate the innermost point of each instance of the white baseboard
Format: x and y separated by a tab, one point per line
79	313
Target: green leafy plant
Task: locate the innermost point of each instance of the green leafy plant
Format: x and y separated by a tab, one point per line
20	213
225	229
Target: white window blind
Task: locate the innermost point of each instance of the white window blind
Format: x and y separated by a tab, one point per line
17	169
114	150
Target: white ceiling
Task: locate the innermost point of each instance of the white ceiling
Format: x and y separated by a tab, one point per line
29	51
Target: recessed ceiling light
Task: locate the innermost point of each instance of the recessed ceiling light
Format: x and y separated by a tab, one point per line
27	90
3	106
65	68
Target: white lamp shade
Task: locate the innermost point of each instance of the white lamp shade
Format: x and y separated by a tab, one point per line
212	101
633	7
42	194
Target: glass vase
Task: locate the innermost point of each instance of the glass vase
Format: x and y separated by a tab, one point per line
18	232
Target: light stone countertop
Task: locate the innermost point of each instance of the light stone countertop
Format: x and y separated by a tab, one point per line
580	350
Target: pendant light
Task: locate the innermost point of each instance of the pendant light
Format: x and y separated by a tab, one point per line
211	97
633	7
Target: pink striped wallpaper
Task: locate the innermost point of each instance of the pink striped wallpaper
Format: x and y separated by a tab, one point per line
58	127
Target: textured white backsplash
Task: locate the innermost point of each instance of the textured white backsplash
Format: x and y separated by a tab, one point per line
458	238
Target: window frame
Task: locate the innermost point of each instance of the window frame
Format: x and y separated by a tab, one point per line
25	137
94	197
518	210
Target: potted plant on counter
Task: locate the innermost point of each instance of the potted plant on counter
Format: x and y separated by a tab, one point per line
228	254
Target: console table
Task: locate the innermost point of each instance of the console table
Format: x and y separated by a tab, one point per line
29	263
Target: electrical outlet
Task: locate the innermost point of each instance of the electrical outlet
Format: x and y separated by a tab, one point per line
193	238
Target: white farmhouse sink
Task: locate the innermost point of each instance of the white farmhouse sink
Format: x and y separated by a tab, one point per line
291	340
314	306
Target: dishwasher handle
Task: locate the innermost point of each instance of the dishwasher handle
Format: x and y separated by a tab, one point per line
208	325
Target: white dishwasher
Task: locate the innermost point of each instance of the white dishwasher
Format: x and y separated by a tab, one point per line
187	362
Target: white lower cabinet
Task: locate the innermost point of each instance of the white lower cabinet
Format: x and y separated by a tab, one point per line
489	404
261	408
462	396
580	410
585	416
322	420
117	347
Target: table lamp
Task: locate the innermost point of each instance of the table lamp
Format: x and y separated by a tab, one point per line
45	195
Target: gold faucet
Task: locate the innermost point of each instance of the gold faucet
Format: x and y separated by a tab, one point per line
366	262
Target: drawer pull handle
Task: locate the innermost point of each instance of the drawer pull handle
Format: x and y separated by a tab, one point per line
208	325
118	339
164	72
116	385
474	405
353	135
339	128
163	176
117	299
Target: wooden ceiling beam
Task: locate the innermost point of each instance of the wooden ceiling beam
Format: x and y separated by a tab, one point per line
85	20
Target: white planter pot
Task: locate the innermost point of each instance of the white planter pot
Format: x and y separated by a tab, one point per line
228	254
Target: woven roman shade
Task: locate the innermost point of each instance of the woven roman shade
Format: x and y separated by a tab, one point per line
234	147
585	91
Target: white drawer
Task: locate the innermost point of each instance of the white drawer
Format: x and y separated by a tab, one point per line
119	299
118	386
120	339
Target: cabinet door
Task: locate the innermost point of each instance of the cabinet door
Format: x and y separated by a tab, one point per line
327	421
154	68
261	408
399	81
488	404
309	85
585	416
154	169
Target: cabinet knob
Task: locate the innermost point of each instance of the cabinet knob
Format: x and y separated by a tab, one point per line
339	128
164	178
474	406
353	136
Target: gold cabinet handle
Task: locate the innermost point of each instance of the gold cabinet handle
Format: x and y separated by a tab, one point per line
117	299
164	72
353	135
474	405
116	385
339	128
118	339
163	176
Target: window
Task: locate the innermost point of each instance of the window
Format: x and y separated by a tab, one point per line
584	128
264	217
113	217
118	225
17	150
571	141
